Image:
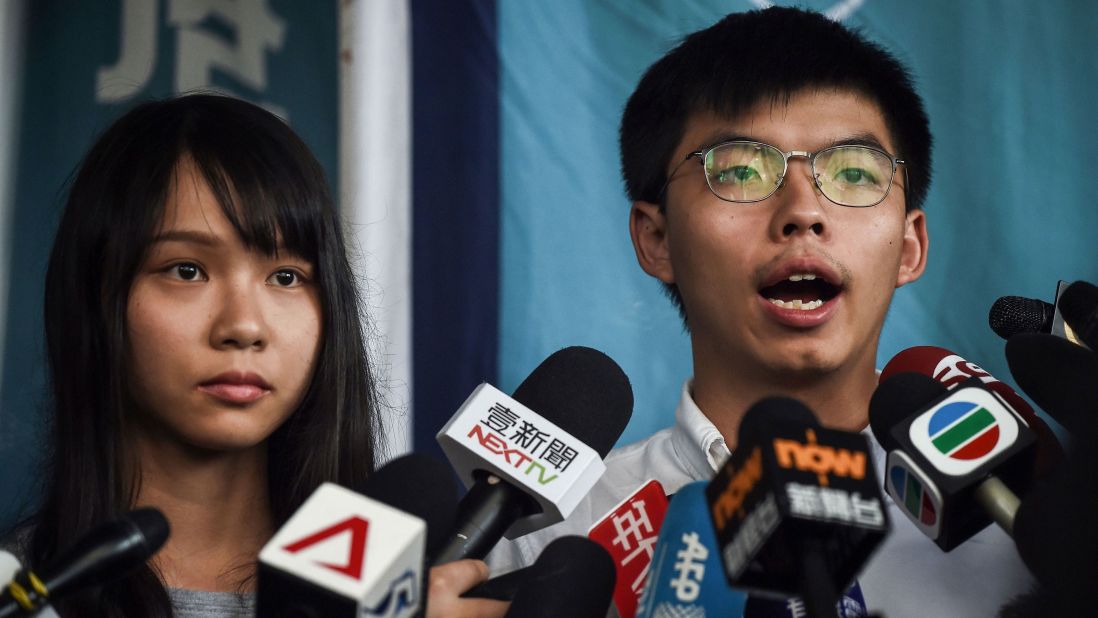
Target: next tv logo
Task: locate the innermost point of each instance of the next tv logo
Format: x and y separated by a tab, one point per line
964	431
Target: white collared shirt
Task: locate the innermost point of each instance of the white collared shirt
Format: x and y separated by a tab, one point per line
907	576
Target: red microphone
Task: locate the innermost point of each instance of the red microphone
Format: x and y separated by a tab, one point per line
629	532
951	369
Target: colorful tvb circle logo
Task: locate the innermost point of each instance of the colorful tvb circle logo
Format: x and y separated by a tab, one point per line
914	493
964	431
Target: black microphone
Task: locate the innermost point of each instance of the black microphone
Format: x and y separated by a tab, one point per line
573	576
956	459
1061	377
797	508
418	485
106	553
1072	314
529	460
1079	307
1010	315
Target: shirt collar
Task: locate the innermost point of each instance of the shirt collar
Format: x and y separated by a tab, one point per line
694	431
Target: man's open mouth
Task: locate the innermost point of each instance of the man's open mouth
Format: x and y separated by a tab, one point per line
804	291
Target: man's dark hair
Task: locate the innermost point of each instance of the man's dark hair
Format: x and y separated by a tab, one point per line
748	57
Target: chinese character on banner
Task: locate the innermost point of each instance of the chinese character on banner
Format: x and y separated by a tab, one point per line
559	455
635	536
529	437
500	418
867	512
804	500
629	534
690	568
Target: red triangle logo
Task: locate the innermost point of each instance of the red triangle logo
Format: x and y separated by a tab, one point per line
357	527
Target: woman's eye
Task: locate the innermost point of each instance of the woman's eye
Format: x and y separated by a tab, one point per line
187	271
285	278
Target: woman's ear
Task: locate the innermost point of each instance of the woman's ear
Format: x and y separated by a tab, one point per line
648	229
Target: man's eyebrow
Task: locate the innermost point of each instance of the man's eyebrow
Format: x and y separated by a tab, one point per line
859	139
188	236
856	139
724	136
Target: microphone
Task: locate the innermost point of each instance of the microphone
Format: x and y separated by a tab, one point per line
685	576
347	554
951	369
1013	315
1079	306
573	576
955	458
797	509
1010	315
106	553
628	533
529	460
1059	376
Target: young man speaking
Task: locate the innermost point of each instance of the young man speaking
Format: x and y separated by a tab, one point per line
777	164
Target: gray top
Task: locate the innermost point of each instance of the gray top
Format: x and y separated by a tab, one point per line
202	604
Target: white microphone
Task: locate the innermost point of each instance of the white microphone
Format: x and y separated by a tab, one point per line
530	459
343	554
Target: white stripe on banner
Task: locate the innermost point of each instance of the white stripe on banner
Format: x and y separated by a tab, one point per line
375	192
11	59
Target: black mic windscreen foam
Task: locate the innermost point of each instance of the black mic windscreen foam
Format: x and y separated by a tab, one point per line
573	576
418	485
897	398
1060	377
1011	315
582	391
757	423
1079	306
153	527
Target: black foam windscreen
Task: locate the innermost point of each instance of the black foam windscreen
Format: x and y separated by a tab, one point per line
582	391
1011	315
756	424
1079	306
574	576
418	485
152	526
897	398
1060	376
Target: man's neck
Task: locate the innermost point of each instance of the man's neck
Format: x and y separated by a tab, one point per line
219	511
839	399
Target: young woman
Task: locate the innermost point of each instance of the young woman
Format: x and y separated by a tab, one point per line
206	353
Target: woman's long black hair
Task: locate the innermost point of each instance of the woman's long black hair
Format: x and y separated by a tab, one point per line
273	191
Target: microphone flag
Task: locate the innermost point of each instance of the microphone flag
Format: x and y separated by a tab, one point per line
629	533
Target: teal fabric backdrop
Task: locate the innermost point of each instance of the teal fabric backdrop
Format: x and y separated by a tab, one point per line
1010	87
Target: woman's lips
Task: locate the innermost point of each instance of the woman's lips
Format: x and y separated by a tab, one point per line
234	393
236	387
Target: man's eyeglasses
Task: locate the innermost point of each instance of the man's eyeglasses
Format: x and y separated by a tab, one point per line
848	175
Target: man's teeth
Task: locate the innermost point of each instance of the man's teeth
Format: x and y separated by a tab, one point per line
804	277
797	304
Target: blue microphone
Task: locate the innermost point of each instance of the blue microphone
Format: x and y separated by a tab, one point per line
686	577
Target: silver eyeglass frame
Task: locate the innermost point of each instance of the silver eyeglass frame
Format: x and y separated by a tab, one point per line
810	156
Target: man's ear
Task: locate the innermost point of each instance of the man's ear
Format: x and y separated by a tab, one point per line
648	228
915	246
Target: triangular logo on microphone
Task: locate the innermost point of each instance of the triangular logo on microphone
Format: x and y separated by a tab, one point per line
356	552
